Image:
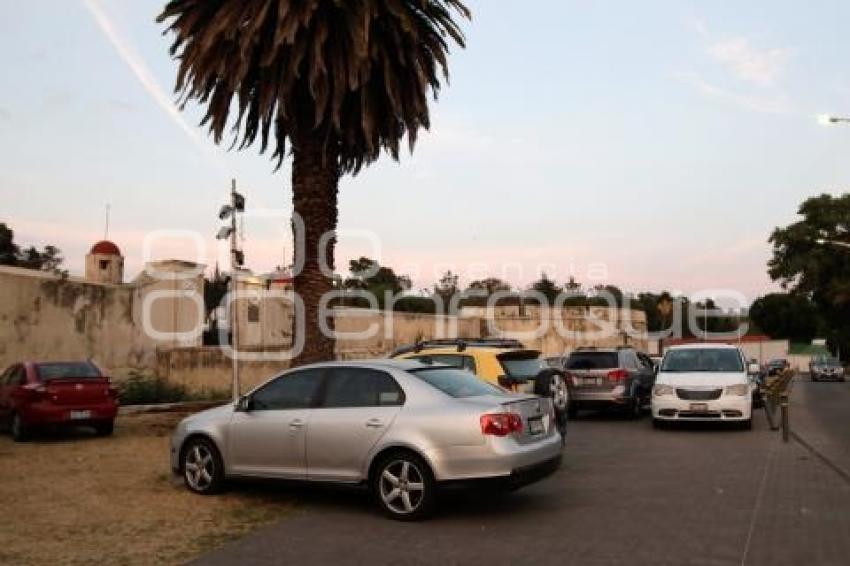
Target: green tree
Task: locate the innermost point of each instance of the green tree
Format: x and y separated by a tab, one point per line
333	83
8	249
491	285
547	287
820	272
447	288
785	316
368	275
48	259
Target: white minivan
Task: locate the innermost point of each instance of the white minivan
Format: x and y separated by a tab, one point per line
703	382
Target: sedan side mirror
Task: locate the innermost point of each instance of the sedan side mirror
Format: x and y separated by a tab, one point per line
245	404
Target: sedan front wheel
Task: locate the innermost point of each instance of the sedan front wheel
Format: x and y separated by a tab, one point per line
203	469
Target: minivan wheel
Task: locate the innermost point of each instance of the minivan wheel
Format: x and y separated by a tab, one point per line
404	487
203	469
18	429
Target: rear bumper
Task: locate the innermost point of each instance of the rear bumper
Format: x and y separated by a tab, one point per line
518	477
51	414
499	458
618	396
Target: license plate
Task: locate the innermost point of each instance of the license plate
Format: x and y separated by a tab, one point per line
80	415
591	381
699	407
535	426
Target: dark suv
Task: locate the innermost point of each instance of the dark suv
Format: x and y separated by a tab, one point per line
620	378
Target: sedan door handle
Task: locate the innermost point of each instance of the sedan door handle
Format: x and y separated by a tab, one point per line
297	423
375	423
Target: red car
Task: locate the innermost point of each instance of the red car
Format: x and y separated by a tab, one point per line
36	394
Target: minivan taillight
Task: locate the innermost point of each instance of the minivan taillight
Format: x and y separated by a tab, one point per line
501	424
618	375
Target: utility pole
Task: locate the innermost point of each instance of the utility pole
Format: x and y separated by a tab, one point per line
237	259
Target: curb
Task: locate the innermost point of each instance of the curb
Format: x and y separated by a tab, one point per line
169	407
845	475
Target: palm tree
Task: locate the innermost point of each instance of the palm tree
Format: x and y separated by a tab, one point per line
333	82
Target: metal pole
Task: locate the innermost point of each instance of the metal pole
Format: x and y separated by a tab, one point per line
234	275
785	423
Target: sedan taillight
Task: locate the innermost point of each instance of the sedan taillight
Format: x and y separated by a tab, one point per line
35	392
501	424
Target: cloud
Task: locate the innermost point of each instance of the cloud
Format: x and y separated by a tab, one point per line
5	116
758	66
766	104
144	75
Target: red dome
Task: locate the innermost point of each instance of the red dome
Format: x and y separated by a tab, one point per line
105	247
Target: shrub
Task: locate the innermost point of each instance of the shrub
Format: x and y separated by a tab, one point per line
144	389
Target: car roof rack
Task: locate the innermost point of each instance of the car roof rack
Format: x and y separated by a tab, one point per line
460	343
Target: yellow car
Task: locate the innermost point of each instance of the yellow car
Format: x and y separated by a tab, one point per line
506	363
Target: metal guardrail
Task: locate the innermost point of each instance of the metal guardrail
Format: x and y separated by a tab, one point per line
777	389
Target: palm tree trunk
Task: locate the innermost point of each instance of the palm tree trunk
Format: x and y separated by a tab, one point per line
315	178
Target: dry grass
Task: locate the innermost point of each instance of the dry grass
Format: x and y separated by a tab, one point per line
78	499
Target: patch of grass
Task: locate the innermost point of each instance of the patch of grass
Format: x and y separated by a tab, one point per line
145	389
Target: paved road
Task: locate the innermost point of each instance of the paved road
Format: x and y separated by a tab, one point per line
626	494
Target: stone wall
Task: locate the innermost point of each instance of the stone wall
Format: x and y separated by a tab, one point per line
154	325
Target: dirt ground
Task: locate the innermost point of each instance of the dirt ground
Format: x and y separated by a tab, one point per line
74	498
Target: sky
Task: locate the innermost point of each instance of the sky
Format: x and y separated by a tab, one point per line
651	145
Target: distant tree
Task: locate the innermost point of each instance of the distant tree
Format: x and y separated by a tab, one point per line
215	288
8	249
785	316
48	259
547	287
447	287
608	295
491	285
820	272
369	276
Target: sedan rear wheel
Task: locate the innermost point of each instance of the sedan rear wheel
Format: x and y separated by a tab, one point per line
18	429
203	471
404	487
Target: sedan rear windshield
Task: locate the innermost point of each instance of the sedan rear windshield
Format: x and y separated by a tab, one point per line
703	359
67	370
592	360
457	383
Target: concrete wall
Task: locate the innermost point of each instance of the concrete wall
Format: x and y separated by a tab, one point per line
154	324
46	317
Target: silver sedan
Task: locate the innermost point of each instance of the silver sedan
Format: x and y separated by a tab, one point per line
400	427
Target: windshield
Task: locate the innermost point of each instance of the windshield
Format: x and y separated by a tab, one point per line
457	383
67	370
592	360
833	362
703	359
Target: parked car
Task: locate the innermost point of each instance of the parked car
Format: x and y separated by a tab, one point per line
828	369
507	363
38	394
401	427
619	378
703	382
777	366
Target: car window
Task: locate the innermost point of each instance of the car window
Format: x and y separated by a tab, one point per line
67	370
457	383
17	376
455	360
592	360
360	387
290	391
521	365
703	360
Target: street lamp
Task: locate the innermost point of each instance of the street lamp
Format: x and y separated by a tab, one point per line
825	242
828	119
237	260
